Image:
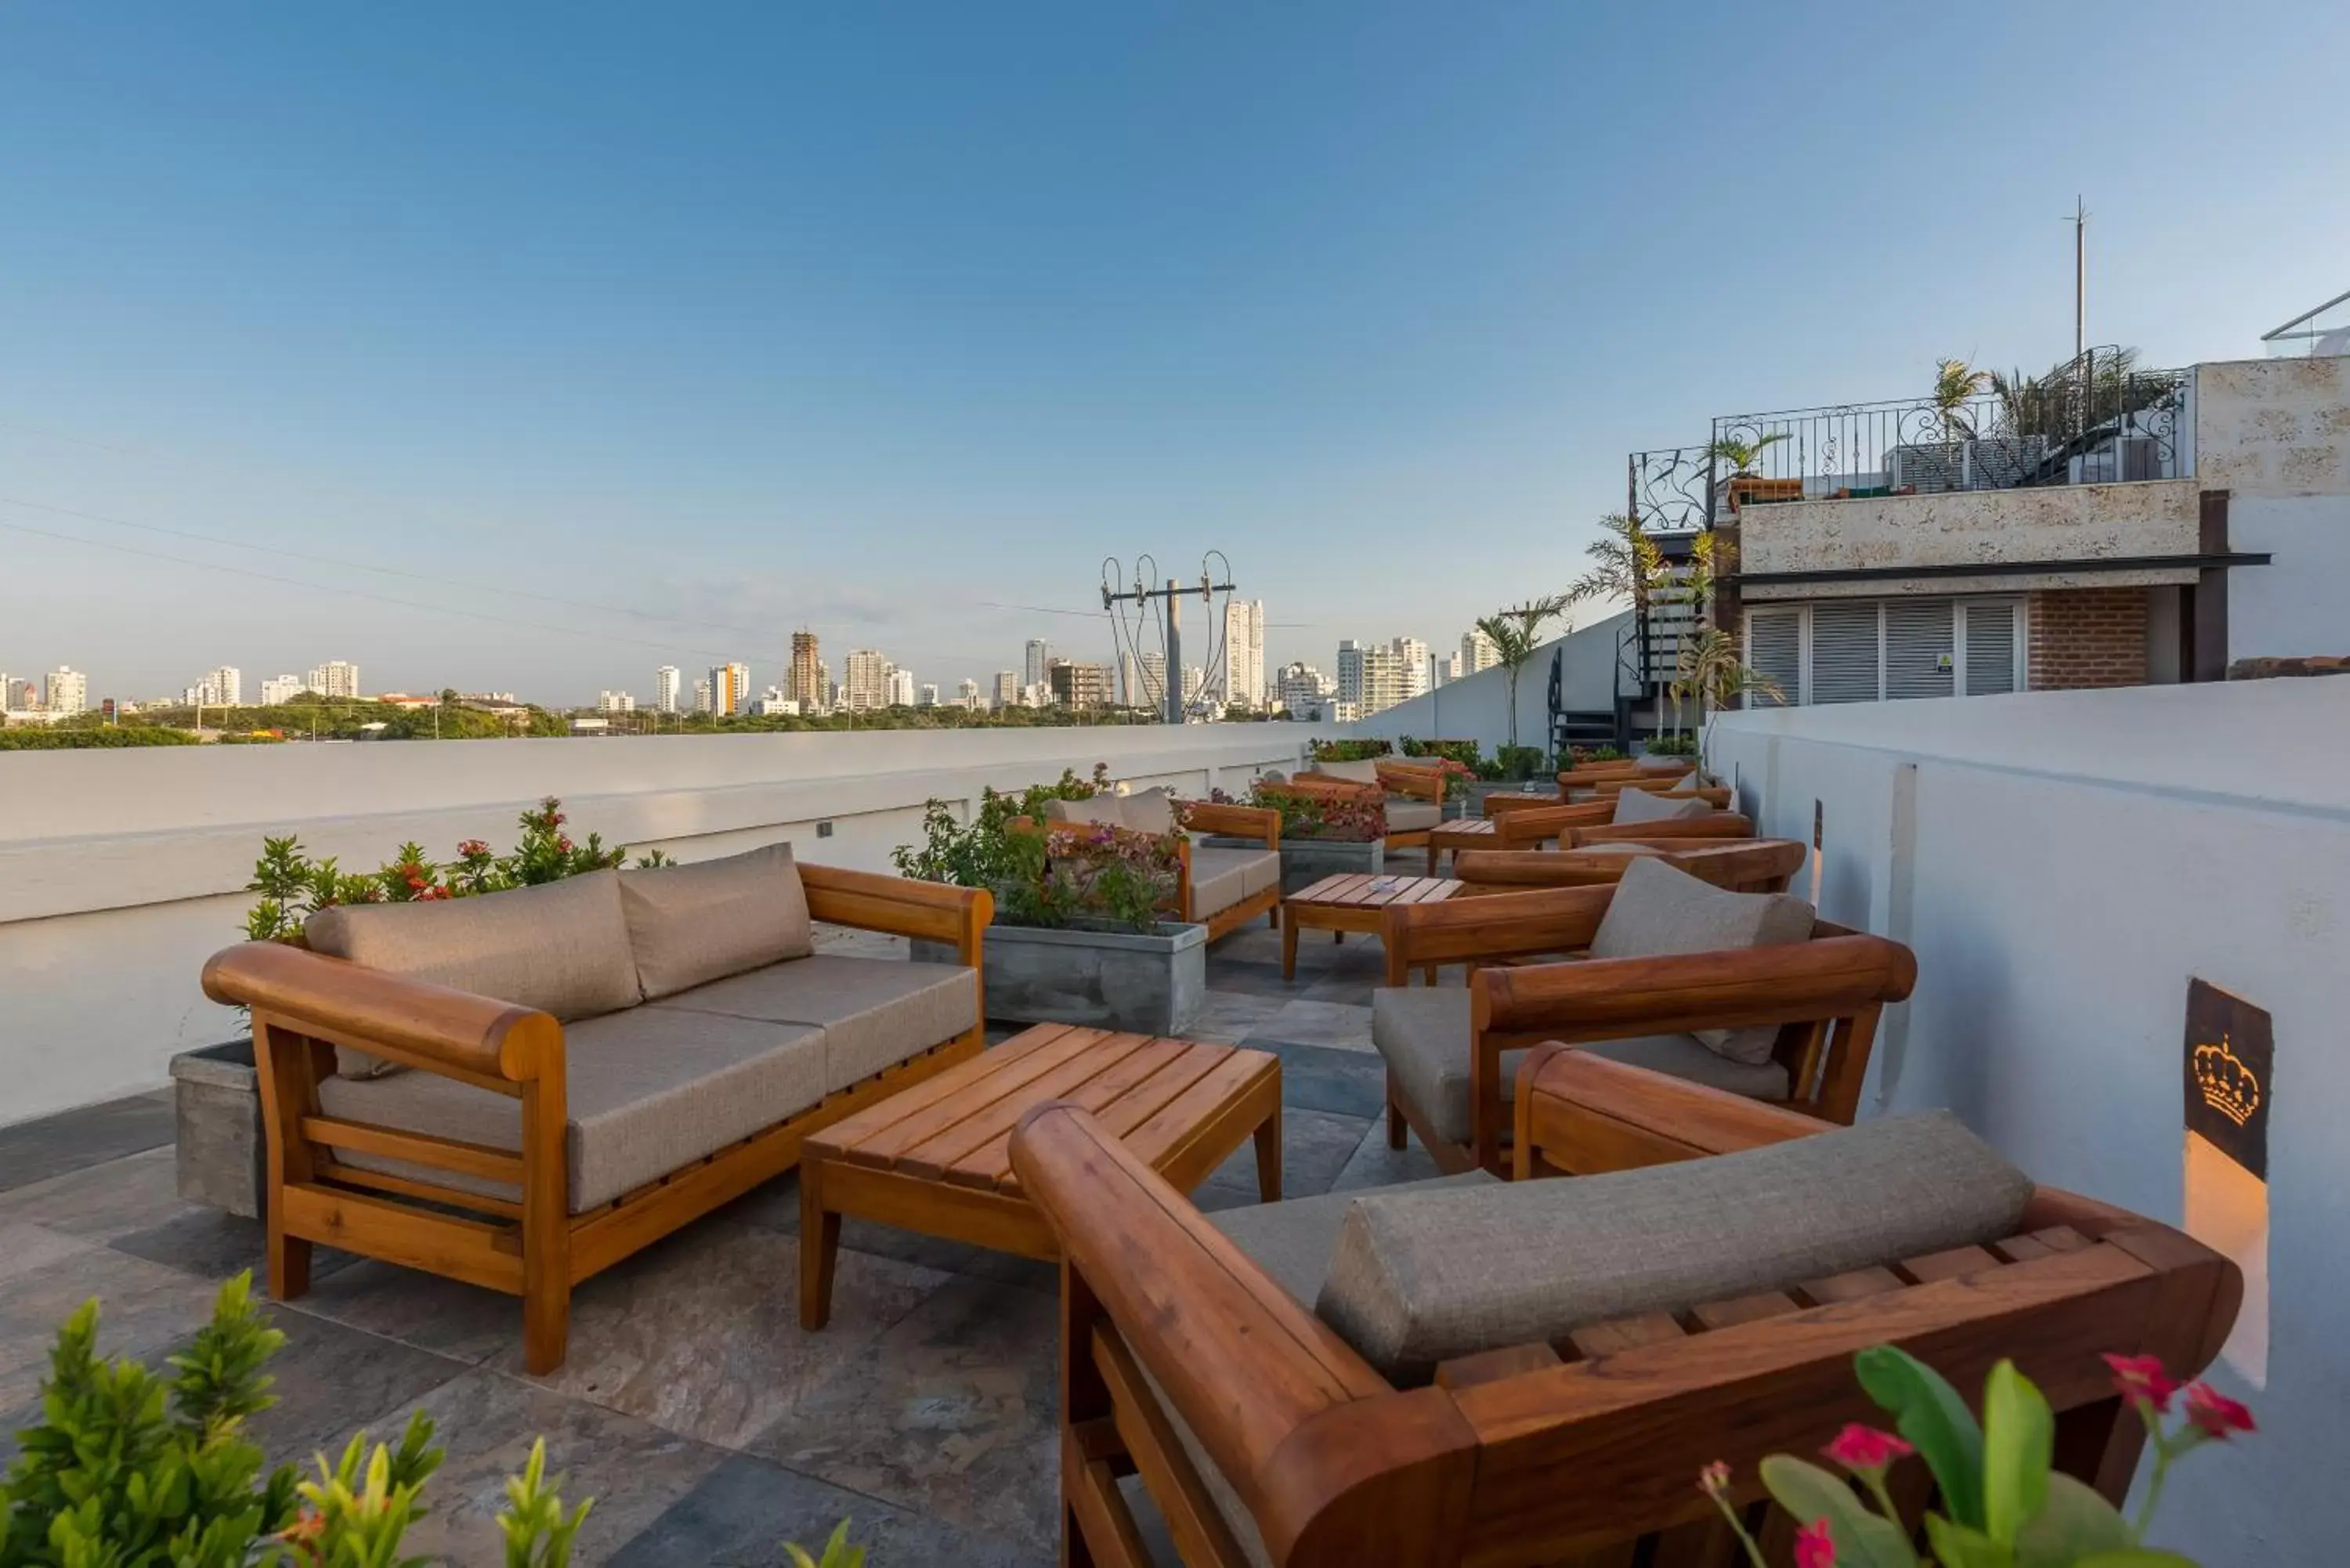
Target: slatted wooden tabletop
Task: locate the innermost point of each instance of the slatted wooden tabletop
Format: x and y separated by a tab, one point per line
957	1127
1471	833
1343	904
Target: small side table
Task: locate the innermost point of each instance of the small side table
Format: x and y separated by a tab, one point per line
1343	904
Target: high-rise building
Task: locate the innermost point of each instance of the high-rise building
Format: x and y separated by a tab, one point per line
1078	685
336	679
665	689
21	695
1040	657
1245	652
805	682
220	688
701	695
1195	682
65	691
926	695
1007	688
864	680
729	688
1447	670
1301	690
967	695
900	684
615	702
1411	657
280	689
1477	652
1350	670
775	704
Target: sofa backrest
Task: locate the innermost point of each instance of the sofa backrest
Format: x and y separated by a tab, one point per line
1637	805
1422	1277
689	924
561	947
1360	770
1659	910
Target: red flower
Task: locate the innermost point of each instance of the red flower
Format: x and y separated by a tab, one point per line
1815	1547
2141	1380
2214	1414
1863	1449
1714	1480
563	845
473	846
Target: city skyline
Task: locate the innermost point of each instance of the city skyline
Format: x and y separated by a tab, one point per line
719	369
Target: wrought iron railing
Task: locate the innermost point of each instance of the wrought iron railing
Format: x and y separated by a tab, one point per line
2094	419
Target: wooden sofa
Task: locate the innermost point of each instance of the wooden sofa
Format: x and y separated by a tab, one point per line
1741	865
468	1133
1451	1051
1413	792
1195	1359
1220	886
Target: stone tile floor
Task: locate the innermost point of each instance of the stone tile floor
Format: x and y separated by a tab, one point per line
707	1426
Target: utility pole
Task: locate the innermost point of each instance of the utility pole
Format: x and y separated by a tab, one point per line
1173	594
2080	277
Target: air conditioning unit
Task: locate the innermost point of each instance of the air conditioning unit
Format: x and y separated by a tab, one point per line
2126	460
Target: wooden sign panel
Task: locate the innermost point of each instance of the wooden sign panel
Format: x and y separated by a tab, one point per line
2229	1065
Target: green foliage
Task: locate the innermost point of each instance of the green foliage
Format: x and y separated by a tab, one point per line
1051	875
1928	1413
1743	454
1515	634
293	887
1349	751
838	1552
59	738
130	1469
1518	762
1680	746
1465	752
1580	754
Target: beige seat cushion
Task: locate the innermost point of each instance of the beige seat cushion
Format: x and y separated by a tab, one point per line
1422	1034
1638	806
1421	1277
875	1012
691	924
1261	871
1221	876
1406	814
646	1091
1363	770
1094	810
1292	1241
561	948
1659	908
1148	811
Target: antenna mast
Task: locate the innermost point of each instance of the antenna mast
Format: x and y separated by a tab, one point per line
1171	596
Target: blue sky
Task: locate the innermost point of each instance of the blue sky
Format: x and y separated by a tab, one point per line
872	316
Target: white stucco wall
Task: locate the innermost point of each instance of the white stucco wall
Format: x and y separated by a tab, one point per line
2273	427
1478	708
2062	863
2061	523
121	872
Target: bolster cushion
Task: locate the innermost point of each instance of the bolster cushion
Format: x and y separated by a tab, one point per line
691	924
1422	1277
1661	910
1637	805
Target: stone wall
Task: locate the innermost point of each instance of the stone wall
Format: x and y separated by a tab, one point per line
2086	638
2273	427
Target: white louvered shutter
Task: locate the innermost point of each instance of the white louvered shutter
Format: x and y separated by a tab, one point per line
1844	653
1990	646
1774	650
1919	647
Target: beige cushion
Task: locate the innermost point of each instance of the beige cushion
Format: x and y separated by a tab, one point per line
1363	770
1659	908
691	924
875	1012
646	1092
1292	1241
1649	764
1634	805
1152	811
1093	810
1406	814
1421	1277
1263	870
1221	876
561	948
1422	1033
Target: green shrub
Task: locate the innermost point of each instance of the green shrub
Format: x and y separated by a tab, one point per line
1681	745
1065	873
1518	761
45	738
1349	751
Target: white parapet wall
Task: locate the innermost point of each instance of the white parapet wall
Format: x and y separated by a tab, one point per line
122	871
2065	864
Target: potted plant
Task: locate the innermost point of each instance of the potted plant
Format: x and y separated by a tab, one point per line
1083	931
1743	454
1329	830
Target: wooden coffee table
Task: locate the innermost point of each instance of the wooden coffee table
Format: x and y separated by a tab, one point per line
1472	833
937	1157
1343	904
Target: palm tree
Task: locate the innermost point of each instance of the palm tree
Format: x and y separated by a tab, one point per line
1516	633
1957	384
1711	669
1625	564
1743	454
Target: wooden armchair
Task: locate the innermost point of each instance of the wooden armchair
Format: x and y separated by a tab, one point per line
1205	884
1673	831
1411	792
1741	865
1715	796
1244	1413
1824	995
502	1218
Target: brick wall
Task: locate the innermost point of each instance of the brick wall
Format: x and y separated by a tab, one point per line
2087	637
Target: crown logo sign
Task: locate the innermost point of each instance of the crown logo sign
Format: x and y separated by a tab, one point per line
2227	1085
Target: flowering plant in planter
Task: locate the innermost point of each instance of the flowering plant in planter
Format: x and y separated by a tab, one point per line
1349	751
1339	814
1090	871
2005	1506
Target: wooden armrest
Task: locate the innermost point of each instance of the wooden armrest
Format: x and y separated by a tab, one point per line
1532	825
428	1026
1587	1114
1260	822
1610	999
1242	1362
1503	925
933	911
1715	796
1402	778
1482	871
1716	825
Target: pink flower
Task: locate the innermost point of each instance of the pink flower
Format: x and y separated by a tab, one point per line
1864	1450
2214	1414
2141	1380
1815	1547
1714	1480
563	845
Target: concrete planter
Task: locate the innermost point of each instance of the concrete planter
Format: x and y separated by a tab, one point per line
1143	982
1305	861
223	1156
